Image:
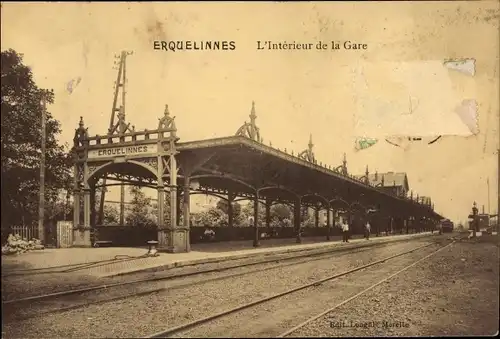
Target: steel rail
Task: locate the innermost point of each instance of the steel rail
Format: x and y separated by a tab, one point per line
188	274
192	324
301	325
160	289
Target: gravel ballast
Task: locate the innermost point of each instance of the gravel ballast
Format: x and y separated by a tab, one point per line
16	312
275	317
19	281
454	293
140	316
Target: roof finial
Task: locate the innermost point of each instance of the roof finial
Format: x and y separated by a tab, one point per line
367	173
308	153
81	135
250	130
253	116
167	122
344	165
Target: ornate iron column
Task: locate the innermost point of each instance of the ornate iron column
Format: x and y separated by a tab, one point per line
230	212
296	221
256	239
186	212
83	237
76	202
180	198
268	213
92	206
328	220
173	238
173	199
81	233
162	234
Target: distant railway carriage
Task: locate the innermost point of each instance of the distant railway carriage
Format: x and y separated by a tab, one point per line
447	226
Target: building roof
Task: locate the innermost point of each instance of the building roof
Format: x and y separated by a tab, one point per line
390	179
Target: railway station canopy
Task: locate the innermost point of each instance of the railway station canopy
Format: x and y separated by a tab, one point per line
237	166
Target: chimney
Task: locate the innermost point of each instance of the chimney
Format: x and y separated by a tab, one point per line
376	175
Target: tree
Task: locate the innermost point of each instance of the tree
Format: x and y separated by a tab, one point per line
214	217
111	215
281	211
57	208
140	209
247	211
21	107
217	216
223	206
280	215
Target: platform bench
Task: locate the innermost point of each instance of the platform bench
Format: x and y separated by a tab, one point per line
103	243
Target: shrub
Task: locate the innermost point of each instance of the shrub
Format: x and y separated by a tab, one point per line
17	245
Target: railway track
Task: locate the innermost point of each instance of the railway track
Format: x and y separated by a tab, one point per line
69	268
58	302
187	329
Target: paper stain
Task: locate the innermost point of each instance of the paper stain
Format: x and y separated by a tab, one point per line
85	52
72	84
414	99
434	140
155	30
467	111
364	143
405	142
466	66
402	142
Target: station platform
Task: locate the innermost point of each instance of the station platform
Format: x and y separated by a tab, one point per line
114	261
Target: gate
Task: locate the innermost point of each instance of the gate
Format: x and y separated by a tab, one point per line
64	234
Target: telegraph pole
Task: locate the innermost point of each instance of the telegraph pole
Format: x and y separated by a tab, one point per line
122	130
118	127
41	205
488	182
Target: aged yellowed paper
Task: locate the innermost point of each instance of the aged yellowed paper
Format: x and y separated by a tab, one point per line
189	133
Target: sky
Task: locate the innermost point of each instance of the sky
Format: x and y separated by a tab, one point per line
335	95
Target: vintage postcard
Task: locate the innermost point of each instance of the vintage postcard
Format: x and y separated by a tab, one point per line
250	169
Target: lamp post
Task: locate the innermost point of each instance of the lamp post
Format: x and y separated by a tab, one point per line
474	219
